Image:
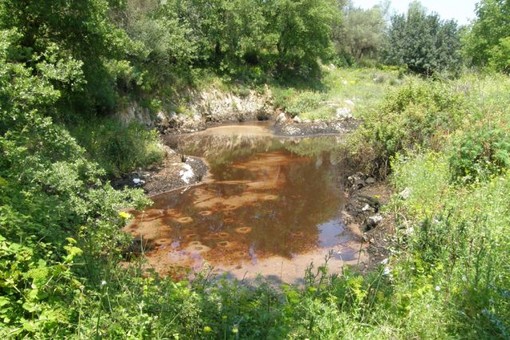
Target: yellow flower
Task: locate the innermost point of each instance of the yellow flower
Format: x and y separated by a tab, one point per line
207	329
125	215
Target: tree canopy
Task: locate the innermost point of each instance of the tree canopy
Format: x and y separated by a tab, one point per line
423	42
488	41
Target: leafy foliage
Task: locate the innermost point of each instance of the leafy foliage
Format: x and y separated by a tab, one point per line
487	41
361	34
419	114
71	44
423	42
51	195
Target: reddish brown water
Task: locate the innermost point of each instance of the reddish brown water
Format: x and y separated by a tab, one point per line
269	207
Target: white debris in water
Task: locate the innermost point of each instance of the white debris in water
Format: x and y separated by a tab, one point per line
187	173
138	181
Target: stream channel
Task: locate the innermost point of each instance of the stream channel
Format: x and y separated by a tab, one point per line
269	206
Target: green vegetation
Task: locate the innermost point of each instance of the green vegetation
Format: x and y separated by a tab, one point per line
119	148
355	90
487	43
67	66
424	43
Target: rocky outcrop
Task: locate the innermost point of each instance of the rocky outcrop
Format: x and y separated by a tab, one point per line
133	112
215	106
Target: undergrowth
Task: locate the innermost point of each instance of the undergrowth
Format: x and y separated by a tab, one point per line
341	91
117	147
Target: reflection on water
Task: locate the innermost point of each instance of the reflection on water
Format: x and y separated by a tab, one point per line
268	198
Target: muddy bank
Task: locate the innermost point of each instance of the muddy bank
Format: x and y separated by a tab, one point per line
280	127
366	198
212	108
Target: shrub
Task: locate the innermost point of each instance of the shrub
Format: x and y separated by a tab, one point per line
119	148
481	152
419	114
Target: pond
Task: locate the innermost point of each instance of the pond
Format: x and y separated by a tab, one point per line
270	206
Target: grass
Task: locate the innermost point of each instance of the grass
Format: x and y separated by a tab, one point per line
353	90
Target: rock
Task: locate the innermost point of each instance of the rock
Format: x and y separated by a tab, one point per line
138	182
291	130
357	181
343	113
370	180
296	119
349	102
162	120
366	207
168	151
405	194
372	222
281	117
263	114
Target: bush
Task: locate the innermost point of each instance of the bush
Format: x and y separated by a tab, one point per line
118	148
419	114
481	152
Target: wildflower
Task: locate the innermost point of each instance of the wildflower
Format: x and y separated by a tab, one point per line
386	270
385	261
438	288
103	283
207	329
235	330
124	215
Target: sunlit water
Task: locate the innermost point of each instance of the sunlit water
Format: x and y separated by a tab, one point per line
270	206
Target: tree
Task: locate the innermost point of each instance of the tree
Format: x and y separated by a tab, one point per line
304	31
55	32
423	42
361	33
487	41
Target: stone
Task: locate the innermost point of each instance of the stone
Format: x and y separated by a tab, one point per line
281	117
296	119
162	120
343	113
372	222
366	207
370	180
405	194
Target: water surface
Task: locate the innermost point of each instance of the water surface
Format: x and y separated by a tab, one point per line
270	206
